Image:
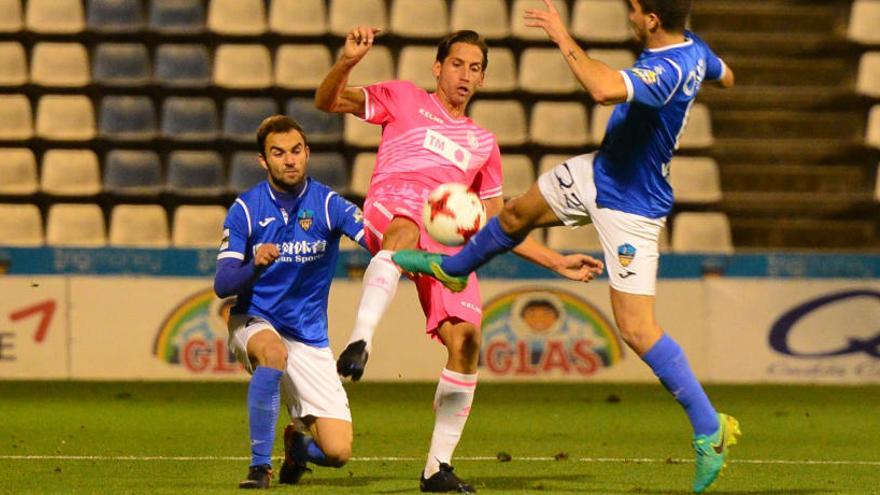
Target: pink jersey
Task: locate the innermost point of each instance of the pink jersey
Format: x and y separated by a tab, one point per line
423	146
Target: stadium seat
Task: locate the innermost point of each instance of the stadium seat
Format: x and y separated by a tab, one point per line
698	133
242	117
518	24
115	16
360	133
54	16
75	225
298	17
863	21
419	18
237	17
60	65
132	173
197	226
701	232
70	173
549	162
18	171
245	171
65	118
20	225
127	118
376	66
189	119
320	127
487	17
872	134
501	72
599	121
331	169
10	16
13	64
196	173
868	81
506	118
616	58
543	70
361	173
519	174
346	14
415	65
242	67
301	66
121	64
183	66
601	21
877	185
177	16
559	123
695	180
580	239
16	119
139	226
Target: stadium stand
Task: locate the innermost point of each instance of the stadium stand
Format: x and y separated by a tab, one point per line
301	66
127	118
320	127
487	17
139	226
361	134
695	180
177	17
419	18
242	116
361	173
237	17
196	173
132	173
519	29
189	119
183	66
70	173
21	225
10	16
121	64
115	16
376	66
246	66
244	171
519	174
60	65
559	123
13	64
501	74
18	172
346	14
16	120
65	118
542	70
415	63
506	118
331	169
701	232
298	17
79	225
864	19
196	226
54	16
600	21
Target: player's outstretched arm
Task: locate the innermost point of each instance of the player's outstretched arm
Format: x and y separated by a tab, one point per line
333	95
234	276
727	78
605	85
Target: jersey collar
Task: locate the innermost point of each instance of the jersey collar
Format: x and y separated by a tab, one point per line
686	42
455	120
299	196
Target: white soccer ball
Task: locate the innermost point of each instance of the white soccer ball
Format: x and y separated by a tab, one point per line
453	213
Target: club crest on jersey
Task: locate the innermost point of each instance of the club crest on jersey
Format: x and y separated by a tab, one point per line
647	76
305	219
626	253
473	142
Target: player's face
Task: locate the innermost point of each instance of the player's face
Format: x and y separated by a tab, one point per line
285	158
460	74
641	23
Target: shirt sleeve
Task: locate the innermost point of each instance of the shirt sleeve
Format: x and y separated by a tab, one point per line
384	100
346	218
652	85
489	179
236	230
714	64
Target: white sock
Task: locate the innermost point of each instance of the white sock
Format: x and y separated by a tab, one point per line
452	405
380	284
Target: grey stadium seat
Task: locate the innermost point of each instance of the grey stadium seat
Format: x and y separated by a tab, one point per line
132	172
177	16
121	64
244	171
242	117
196	173
115	16
127	118
189	119
183	66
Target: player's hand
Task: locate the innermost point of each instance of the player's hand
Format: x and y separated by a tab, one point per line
548	20
358	42
266	255
579	267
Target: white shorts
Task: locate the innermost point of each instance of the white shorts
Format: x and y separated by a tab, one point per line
310	385
629	241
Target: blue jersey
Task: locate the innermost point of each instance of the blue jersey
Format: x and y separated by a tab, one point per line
632	165
292	292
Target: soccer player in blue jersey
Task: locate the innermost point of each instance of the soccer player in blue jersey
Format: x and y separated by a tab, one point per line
623	190
278	255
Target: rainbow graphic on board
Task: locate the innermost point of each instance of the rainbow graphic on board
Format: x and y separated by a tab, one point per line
193	335
546	331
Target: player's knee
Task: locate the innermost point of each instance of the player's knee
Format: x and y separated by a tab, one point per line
274	356
468	340
638	334
338	453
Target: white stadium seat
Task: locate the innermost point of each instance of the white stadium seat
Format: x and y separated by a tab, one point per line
701	232
18	171
868	80
65	118
506	118
501	71
139	226
487	17
872	134
863	21
348	14
695	180
698	133
376	66
55	16
600	20
301	66
559	123
60	65
13	64
519	174
298	17
415	65
361	173
237	17
543	70
70	173
419	18
76	225
243	67
20	225
518	24
198	226
360	133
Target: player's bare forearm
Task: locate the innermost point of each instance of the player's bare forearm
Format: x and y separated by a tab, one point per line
537	253
577	267
727	78
333	95
604	84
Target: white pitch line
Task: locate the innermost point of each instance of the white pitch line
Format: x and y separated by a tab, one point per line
805	462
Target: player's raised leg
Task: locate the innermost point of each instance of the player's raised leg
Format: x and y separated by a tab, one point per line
713	433
265	348
379	286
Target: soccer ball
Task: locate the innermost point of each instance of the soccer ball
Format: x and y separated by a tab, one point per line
453	213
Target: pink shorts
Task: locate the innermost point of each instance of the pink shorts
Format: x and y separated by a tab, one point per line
438	303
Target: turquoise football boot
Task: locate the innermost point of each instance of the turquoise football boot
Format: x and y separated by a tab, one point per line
426	263
712	451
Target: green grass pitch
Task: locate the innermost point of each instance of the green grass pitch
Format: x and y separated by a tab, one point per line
60	437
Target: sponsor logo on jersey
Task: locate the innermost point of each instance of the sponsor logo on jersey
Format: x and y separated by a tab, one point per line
305	219
193	336
647	76
430	116
544	331
447	148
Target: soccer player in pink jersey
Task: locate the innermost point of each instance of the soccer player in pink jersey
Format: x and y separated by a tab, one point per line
428	141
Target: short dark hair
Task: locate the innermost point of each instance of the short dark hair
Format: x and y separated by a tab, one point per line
463	36
673	14
277	123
